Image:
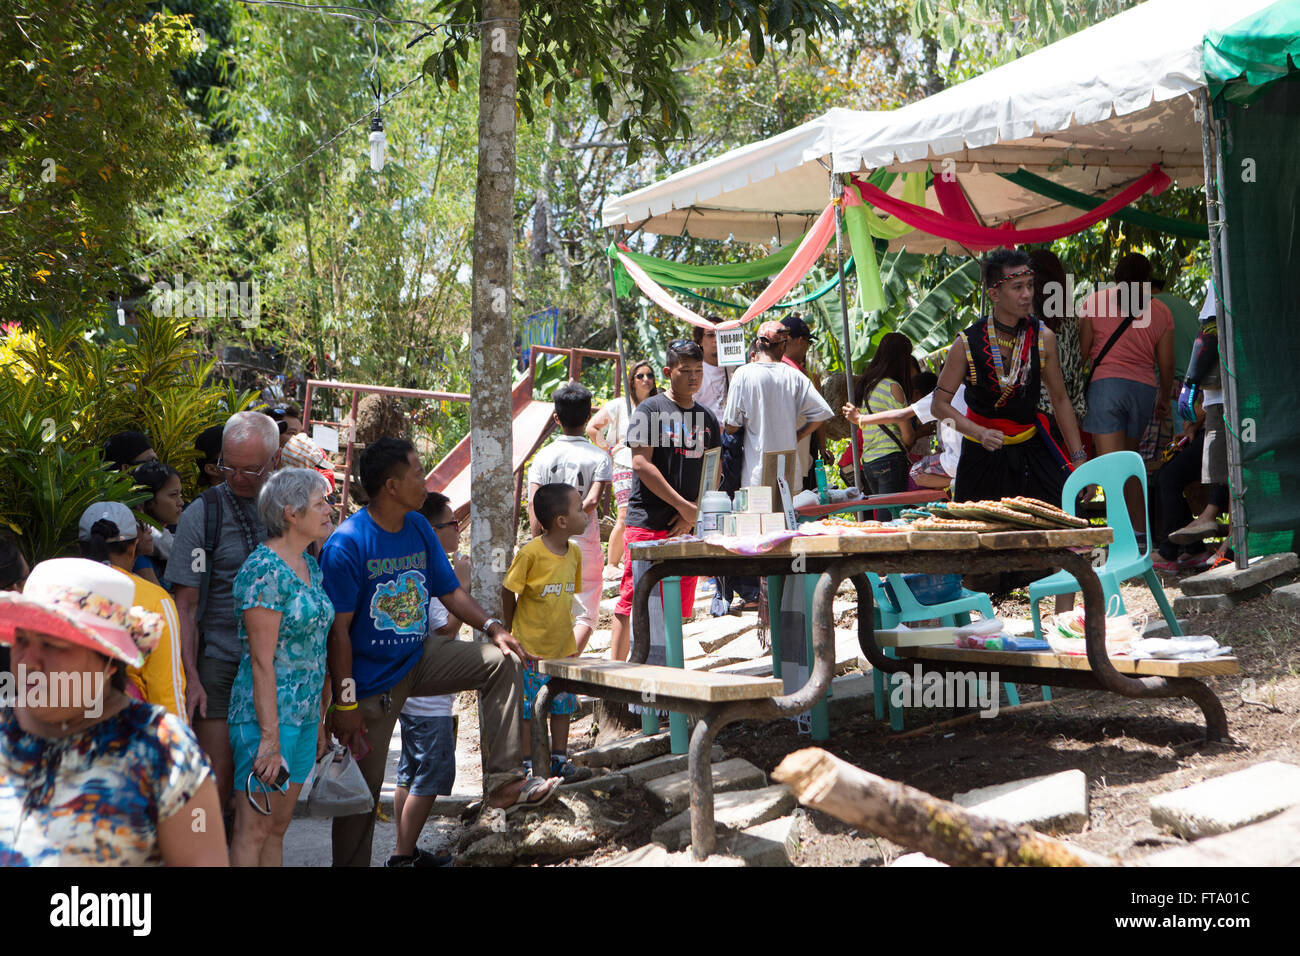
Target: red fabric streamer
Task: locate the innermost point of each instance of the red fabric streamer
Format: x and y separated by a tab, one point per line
982	237
953	201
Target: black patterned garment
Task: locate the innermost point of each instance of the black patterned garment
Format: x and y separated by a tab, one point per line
1027	463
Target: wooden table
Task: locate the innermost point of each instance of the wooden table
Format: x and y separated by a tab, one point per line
837	558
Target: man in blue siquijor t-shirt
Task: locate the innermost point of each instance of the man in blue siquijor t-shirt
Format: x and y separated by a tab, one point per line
380	568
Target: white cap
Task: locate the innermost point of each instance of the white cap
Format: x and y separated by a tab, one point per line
115	512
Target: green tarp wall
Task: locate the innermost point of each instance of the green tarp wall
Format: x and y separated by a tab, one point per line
1261	181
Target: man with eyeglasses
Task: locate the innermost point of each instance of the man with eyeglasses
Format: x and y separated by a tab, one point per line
208	549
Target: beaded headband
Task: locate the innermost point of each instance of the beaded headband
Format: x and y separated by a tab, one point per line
1006	276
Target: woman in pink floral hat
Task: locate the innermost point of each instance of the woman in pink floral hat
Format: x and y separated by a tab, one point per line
89	777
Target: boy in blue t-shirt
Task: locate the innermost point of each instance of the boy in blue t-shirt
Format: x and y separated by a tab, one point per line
380	569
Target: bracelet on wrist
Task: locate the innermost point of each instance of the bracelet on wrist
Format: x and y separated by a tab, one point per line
334	707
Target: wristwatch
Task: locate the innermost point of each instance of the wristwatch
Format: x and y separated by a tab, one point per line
487	625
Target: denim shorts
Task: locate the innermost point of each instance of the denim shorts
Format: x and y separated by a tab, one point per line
427	766
297	747
1119	405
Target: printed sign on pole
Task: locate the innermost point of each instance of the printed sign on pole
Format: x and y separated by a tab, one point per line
731	347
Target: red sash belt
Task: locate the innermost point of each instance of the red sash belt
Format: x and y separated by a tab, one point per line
1006	426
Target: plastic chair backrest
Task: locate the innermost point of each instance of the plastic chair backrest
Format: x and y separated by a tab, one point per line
1111	472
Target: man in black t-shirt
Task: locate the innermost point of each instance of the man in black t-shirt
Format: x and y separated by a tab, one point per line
669	434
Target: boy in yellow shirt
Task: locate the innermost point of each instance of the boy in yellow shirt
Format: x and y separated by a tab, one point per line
547	577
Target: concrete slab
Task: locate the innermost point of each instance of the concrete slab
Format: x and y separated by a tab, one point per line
652	854
714	632
917	859
1288	597
1228	802
1159	627
847	649
1230	578
620	753
607	605
671	794
1272	842
713	661
736	810
851	695
774	843
1187	604
759	667
639	774
746	647
1056	802
600	785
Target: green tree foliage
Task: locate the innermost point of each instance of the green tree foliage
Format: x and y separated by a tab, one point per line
62	395
91	127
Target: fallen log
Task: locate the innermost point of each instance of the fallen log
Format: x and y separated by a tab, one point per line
918	821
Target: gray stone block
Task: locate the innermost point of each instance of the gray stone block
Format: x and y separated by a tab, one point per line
851	695
1056	802
759	667
917	859
1228	802
642	773
600	785
620	753
671	794
773	843
736	810
1230	578
1159	627
1288	597
1187	605
715	632
1272	842
652	854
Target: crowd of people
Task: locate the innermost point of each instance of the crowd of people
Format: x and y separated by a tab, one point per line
231	639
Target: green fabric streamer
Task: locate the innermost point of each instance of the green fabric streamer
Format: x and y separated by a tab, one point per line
862	224
1134	217
741	307
711	277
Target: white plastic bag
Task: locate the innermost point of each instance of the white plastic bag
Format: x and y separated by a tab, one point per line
340	789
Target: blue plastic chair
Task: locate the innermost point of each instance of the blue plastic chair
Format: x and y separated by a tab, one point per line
906	610
1125	558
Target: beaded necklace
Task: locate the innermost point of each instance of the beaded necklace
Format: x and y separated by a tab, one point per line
1010	379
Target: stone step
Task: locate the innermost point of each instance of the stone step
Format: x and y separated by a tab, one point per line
1159	627
851	695
1230	578
773	843
1230	801
714	632
629	750
1272	842
1288	597
1186	605
917	859
671	794
650	770
598	643
736	810
759	667
600	785
1053	803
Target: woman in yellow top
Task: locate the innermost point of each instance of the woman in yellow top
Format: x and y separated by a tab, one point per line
108	533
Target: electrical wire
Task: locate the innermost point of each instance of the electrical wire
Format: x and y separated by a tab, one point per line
267	185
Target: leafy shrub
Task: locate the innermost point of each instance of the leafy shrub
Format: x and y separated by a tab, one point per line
62	396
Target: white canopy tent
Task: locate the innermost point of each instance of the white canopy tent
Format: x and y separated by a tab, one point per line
1092	112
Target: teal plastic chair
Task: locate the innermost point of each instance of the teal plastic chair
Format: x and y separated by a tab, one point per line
906	610
1125	558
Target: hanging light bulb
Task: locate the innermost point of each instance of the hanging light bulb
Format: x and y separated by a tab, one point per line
378	143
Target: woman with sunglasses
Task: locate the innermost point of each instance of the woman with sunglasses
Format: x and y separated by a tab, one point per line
608	430
284	615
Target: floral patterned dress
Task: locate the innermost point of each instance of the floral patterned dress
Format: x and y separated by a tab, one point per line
95	798
306	613
1072	371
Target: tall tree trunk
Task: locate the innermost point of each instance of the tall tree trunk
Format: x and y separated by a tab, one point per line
317	341
491	476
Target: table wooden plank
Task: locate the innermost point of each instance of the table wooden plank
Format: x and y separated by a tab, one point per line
891	542
1063	538
662	681
1125	665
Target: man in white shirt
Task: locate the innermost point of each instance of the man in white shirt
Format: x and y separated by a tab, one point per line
713	392
768	398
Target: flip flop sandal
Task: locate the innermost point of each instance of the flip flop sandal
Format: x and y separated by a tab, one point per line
536	792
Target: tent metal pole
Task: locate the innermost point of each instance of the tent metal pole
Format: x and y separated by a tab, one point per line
837	192
618	328
1216	220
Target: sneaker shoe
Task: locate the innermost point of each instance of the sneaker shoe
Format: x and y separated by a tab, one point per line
1198	530
706	588
1166	567
421	858
568	771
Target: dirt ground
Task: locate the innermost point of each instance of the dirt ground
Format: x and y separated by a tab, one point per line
1129	749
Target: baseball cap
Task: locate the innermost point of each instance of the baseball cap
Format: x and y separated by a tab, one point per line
798	328
113	511
772	332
